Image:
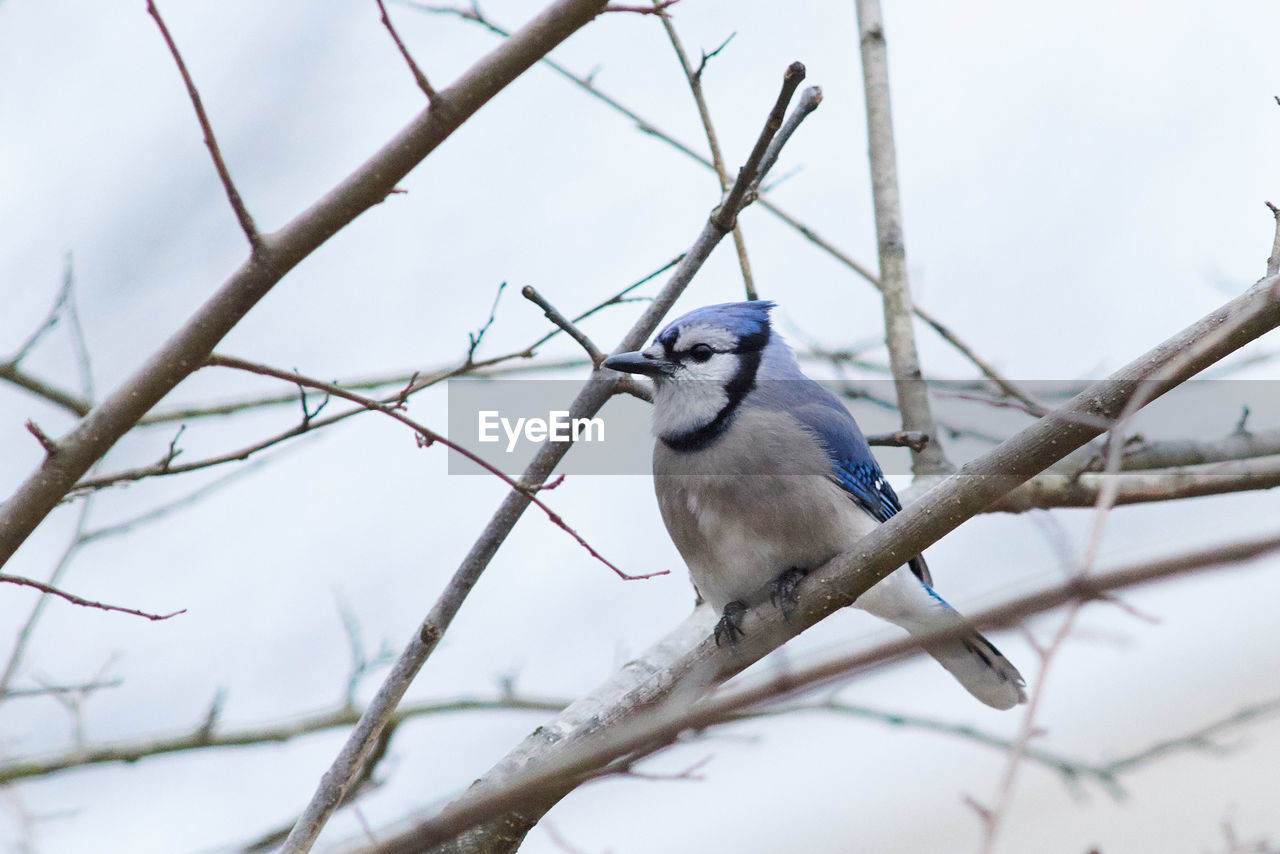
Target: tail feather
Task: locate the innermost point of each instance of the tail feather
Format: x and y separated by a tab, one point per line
981	669
903	599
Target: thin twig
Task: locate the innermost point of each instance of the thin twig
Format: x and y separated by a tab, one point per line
553	314
647	127
694	78
427	437
49	445
22	581
203	736
10	372
45	690
418	76
474	338
187	348
50	320
726	214
224	175
810	98
912	439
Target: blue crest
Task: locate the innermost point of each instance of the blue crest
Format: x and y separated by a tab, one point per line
740	318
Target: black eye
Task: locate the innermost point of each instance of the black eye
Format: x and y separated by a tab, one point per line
701	352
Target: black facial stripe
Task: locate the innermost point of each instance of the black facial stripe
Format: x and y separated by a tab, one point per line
750	349
755	342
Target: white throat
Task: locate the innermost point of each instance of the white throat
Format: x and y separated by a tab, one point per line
680	408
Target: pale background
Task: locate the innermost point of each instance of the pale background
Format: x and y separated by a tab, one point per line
1079	181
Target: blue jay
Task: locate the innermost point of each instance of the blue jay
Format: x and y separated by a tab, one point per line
762	475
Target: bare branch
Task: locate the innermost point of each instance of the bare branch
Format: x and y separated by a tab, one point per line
23	636
474	338
203	736
527	786
1140	487
50	446
22	581
694	78
726	214
553	314
10	372
900	439
418	76
46	690
645	126
50	320
426	436
1198	739
913	395
279	253
1273	262
224	175
810	98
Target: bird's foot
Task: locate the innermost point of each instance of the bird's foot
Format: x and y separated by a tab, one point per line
730	625
782	593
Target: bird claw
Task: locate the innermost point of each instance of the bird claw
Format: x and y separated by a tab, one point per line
782	592
730	625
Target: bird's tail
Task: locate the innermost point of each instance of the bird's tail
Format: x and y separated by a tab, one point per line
906	600
980	667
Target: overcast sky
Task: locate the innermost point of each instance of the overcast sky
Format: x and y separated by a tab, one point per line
1079	182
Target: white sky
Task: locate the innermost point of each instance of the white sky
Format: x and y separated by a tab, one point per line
1079	181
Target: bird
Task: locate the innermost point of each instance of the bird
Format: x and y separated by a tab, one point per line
762	476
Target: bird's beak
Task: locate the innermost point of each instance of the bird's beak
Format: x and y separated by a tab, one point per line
638	363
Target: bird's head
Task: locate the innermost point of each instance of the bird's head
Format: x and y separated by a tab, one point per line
702	365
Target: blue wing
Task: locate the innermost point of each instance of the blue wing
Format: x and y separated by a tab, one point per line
852	465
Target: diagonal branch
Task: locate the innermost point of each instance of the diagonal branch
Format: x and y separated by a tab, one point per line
426	436
22	581
568	326
418	76
281	251
586	737
224	175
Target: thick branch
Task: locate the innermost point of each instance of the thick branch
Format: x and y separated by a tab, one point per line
570	749
187	349
913	395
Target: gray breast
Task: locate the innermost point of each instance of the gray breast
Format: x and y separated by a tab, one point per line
752	505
